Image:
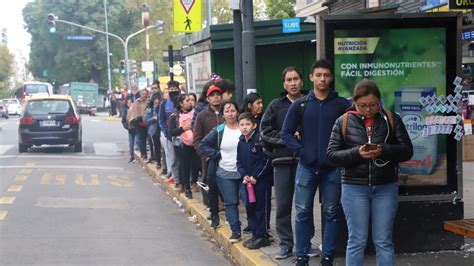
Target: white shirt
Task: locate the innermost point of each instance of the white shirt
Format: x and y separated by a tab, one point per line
230	140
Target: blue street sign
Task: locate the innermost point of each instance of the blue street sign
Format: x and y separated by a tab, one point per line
79	38
291	25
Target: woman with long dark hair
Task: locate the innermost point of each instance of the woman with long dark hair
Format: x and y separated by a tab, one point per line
182	136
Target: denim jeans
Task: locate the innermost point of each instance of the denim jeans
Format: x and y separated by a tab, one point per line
131	144
306	185
164	145
230	189
377	205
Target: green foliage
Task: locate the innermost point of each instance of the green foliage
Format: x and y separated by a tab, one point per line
278	9
6	67
68	61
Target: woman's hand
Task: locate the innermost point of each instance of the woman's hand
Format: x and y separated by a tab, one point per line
246	180
370	154
187	127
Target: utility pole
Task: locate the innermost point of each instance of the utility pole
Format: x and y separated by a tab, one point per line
239	92
107	44
248	48
124	43
170	61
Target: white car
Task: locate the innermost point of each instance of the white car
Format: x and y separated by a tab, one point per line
14	106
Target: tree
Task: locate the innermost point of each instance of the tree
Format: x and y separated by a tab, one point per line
6	69
278	9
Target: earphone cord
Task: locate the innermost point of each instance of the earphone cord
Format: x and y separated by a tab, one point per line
380	162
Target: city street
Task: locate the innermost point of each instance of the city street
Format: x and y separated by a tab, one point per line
61	207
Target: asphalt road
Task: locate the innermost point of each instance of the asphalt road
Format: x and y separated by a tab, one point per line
61	207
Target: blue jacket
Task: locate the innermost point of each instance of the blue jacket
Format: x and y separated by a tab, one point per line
153	127
314	122
166	109
252	161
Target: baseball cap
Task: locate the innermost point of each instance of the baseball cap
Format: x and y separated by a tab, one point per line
212	89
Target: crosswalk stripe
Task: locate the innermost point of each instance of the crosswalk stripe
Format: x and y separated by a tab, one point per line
21	178
5	148
3	214
47	179
15	188
7	200
120	181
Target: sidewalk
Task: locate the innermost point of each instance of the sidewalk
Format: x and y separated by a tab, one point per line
264	256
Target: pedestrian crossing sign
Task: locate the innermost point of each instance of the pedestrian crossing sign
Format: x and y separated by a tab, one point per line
187	15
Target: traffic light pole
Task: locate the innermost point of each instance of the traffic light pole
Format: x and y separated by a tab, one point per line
124	43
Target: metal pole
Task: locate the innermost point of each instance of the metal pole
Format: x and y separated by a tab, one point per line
107	44
209	12
248	48
239	94
170	61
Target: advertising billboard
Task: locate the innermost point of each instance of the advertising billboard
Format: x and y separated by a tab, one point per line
409	57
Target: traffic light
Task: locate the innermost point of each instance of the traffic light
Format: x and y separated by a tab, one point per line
123	67
133	66
52	22
160	26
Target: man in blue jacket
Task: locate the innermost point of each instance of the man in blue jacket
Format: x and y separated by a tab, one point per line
306	132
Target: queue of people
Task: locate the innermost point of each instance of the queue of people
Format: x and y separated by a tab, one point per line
304	140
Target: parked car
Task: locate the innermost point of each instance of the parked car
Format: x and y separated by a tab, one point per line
50	120
14	106
3	110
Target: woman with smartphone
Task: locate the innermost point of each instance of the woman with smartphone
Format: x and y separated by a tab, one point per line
368	142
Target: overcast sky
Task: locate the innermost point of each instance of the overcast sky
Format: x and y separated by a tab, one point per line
11	18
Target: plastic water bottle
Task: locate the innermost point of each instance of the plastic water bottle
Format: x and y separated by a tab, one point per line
251	193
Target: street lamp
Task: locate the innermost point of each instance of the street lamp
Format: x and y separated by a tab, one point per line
124	42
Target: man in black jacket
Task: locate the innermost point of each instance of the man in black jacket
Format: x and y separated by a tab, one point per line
284	161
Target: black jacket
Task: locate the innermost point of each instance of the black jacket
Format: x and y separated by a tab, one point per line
345	152
272	123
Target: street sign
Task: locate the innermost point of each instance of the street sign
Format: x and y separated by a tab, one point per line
187	15
79	37
291	25
461	4
177	70
148	66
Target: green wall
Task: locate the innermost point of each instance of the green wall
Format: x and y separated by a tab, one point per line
271	60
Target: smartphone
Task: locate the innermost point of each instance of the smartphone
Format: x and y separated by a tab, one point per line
370	146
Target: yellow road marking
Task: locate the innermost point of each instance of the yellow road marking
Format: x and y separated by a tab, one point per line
47	179
120	181
20	178
60	180
7	200
94	180
26	171
3	214
15	188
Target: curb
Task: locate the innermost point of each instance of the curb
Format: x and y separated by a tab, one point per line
239	253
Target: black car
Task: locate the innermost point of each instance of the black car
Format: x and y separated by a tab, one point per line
50	120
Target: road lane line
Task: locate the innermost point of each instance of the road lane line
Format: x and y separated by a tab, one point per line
77	157
60	180
61	167
121	181
3	214
94	180
7	200
15	188
5	148
46	179
80	180
26	171
21	178
83	203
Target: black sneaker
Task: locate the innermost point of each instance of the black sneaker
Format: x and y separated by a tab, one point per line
247	230
188	194
326	261
248	242
301	261
284	253
234	238
215	221
258	243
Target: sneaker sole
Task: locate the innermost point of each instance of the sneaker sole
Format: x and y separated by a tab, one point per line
233	241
